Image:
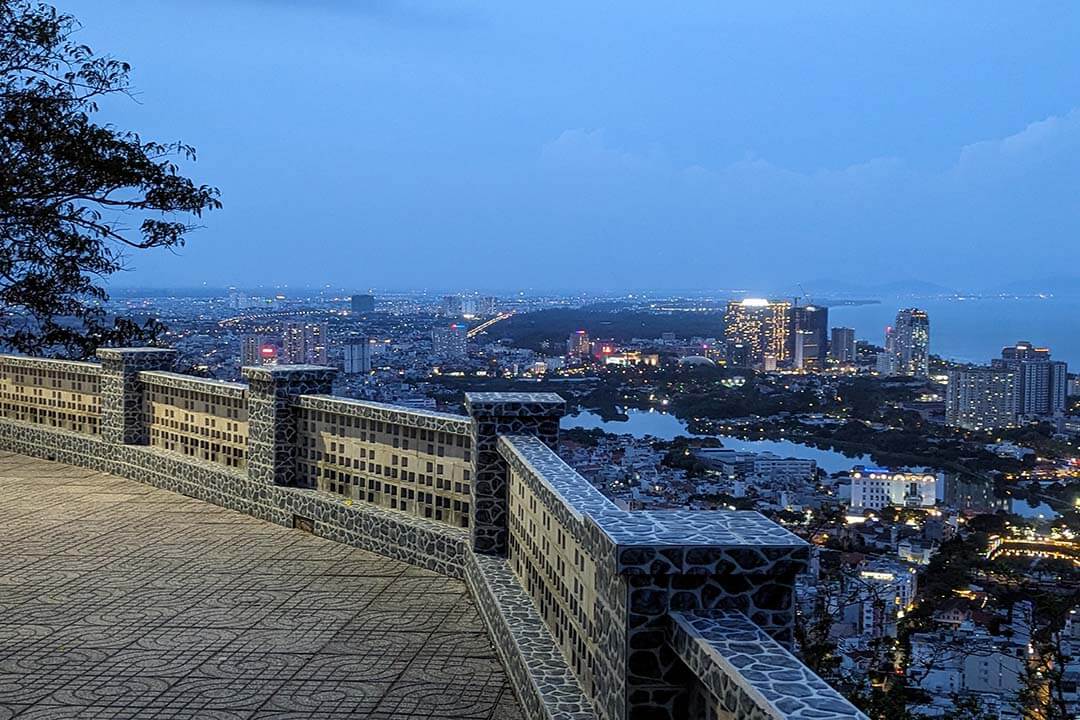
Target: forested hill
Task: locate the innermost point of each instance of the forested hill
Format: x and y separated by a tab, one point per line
531	330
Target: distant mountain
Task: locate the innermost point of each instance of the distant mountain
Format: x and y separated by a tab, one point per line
826	288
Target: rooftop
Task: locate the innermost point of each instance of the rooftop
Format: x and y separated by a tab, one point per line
121	600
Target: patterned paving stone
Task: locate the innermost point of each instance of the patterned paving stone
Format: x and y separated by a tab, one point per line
119	600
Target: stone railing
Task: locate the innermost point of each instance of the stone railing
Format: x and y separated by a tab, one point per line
596	612
611	584
203	419
57	393
416	462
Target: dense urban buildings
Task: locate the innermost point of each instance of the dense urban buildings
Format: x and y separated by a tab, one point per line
747	425
258	349
362	304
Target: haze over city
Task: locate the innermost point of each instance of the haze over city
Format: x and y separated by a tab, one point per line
612	146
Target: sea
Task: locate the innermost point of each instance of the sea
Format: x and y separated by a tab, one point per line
975	329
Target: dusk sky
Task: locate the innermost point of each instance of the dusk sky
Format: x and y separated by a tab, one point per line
606	146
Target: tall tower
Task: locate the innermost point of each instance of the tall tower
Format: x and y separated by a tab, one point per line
812	322
911	342
357	356
842	345
763	327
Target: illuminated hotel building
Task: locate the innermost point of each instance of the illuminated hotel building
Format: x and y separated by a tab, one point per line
875	488
761	327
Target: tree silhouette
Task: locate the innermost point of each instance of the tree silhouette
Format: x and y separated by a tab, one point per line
75	195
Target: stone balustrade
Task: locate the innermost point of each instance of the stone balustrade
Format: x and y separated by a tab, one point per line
596	612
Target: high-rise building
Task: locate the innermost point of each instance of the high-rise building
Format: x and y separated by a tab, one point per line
472	306
304	343
238	300
578	345
363	304
886	362
762	326
1042	384
257	349
357	356
981	398
812	323
452	305
449	342
911	343
842	345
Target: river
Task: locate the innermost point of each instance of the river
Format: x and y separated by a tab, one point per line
663	426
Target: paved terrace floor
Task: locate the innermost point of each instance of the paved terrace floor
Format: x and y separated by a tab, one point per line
119	600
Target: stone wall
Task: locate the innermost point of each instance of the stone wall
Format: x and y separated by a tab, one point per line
56	393
203	419
744	674
542	682
417	462
607	580
597	612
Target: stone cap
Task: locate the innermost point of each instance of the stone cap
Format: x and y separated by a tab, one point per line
286	372
747	670
120	353
25	361
515	403
180	381
659	539
409	417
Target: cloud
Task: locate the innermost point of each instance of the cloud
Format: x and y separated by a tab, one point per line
959	219
1037	143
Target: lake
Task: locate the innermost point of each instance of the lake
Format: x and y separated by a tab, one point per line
976	330
667	427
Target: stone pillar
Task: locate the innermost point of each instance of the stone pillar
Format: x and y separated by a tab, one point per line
272	390
122	417
503	413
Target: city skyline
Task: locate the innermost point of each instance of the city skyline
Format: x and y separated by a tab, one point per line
464	135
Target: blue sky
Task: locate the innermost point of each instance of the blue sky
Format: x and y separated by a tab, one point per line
610	145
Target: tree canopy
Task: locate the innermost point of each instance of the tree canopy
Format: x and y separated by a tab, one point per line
75	195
